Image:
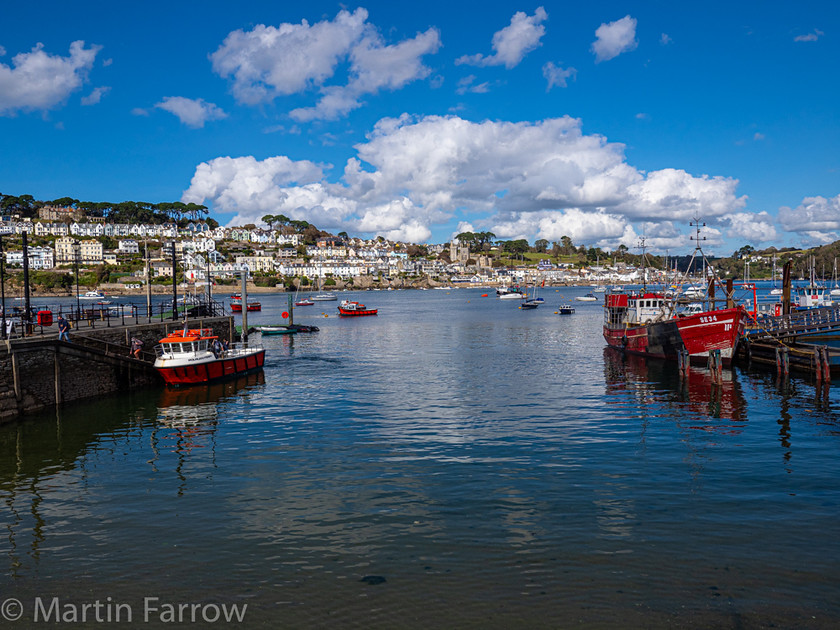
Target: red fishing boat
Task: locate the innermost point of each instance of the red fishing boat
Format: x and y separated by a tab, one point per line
348	308
236	304
189	357
651	324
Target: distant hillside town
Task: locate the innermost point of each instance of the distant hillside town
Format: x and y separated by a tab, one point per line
131	244
294	254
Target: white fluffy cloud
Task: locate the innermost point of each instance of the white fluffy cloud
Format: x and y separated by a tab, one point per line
192	112
816	219
267	62
40	81
513	42
614	38
374	66
753	228
541	179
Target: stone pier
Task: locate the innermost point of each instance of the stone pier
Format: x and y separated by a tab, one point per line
40	372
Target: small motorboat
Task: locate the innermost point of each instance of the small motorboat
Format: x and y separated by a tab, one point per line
565	309
92	295
325	297
589	297
305	302
236	304
349	308
276	330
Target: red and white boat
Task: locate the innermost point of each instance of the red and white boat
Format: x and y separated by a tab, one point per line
189	357
349	308
305	302
650	324
236	304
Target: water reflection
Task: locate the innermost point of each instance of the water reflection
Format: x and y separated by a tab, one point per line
652	382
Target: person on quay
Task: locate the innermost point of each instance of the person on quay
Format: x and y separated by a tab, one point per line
63	328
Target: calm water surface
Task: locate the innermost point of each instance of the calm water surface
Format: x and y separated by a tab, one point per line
452	462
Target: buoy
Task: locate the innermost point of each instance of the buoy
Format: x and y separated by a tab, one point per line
483	295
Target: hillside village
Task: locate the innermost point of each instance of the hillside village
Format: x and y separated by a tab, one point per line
297	255
274	256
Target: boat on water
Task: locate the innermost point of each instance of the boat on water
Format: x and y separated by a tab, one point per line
350	308
510	293
324	297
589	297
92	295
286	329
529	304
565	309
194	356
649	324
652	324
236	307
305	302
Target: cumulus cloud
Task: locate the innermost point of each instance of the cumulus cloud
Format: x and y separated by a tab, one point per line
374	67
191	112
513	42
267	62
816	219
529	180
39	81
614	38
753	228
556	76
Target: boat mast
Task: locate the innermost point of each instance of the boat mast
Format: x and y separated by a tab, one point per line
644	269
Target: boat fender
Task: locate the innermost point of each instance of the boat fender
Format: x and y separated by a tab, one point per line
624	341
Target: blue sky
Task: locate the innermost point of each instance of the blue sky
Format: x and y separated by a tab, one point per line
415	122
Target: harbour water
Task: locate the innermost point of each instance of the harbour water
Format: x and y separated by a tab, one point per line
453	462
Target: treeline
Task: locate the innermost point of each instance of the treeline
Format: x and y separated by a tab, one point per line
27	206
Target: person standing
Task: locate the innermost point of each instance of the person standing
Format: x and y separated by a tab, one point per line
63	328
136	347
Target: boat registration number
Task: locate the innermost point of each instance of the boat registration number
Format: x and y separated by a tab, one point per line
708	318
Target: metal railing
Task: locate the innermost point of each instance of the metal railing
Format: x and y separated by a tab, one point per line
105	315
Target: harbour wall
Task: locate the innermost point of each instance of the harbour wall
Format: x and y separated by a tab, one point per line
41	372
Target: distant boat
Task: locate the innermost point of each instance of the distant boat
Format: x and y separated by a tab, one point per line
92	295
236	304
566	309
350	308
324	297
276	330
589	297
305	302
529	304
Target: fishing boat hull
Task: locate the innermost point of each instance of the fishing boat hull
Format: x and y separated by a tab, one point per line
252	306
344	312
207	371
697	334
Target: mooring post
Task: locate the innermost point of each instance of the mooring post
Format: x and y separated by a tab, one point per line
683	361
715	366
826	366
818	371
